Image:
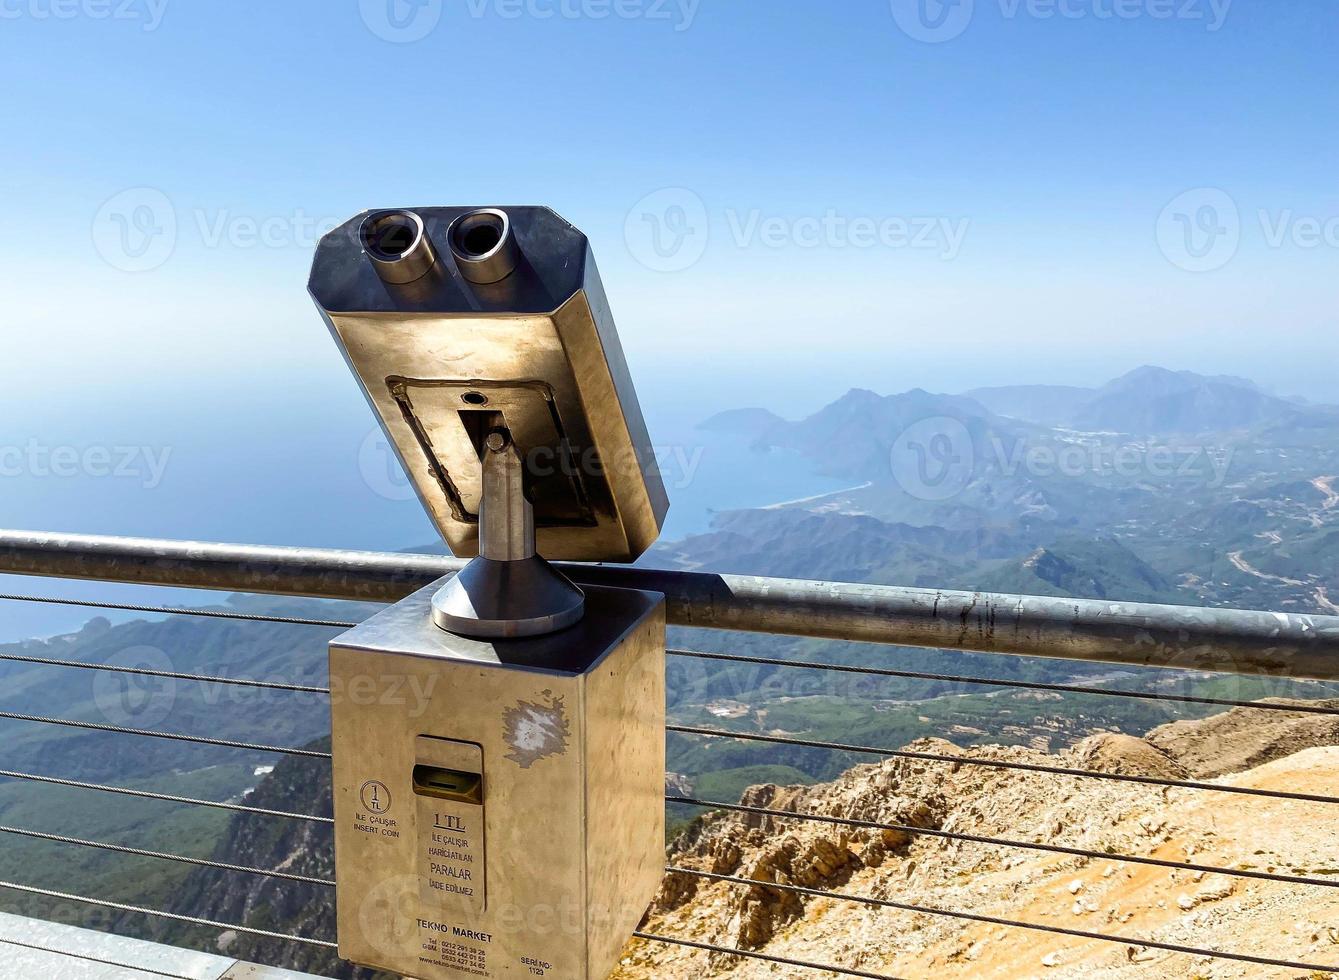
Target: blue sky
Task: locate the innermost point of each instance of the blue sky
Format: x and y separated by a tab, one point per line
786	200
1032	154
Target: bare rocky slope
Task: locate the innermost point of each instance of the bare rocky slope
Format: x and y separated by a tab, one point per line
1242	747
1250	748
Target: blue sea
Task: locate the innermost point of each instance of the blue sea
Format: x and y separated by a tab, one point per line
278	461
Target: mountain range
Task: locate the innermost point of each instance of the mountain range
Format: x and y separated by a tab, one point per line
1225	493
1145	401
1160	486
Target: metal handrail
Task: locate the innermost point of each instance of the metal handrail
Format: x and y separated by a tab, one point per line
1131	633
1141	634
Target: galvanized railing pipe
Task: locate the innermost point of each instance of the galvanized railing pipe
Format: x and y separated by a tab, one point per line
1133	633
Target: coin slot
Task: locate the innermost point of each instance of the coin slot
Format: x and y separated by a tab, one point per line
449	784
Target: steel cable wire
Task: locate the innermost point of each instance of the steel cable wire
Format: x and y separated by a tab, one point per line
172	736
159	913
689	654
1004	842
999	921
163	855
177	611
164	797
1023	685
964	760
781	960
166	674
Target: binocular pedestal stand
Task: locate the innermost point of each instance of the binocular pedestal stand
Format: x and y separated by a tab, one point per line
509	590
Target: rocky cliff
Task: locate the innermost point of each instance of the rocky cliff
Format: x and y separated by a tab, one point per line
1242	747
1299	922
301	847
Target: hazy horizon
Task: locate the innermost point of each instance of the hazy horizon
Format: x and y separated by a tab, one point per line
980	206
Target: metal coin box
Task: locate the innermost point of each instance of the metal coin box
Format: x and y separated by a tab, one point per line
499	805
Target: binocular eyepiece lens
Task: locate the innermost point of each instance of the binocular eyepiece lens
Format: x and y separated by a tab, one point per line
481	242
398	246
481	239
483	245
391	236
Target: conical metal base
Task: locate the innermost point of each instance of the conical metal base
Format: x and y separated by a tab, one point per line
492	599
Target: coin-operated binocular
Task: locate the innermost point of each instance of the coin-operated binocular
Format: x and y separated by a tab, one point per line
498	737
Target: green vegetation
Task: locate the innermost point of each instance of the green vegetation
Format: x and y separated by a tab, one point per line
1259	532
190	831
728	785
1046	720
